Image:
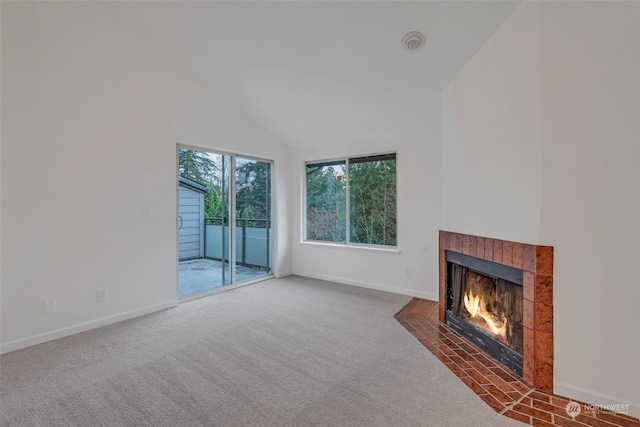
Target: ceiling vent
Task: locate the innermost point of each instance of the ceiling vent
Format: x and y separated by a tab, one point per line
413	40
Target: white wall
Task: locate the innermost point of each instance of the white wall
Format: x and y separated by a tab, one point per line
491	137
418	186
591	194
566	77
91	116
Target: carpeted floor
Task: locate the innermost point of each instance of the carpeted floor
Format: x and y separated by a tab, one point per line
284	352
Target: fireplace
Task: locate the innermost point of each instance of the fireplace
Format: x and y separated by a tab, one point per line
506	283
484	305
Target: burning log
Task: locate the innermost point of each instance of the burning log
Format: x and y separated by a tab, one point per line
476	306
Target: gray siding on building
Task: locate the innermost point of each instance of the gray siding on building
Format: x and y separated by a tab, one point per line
191	234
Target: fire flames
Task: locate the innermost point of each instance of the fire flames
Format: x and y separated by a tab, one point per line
477	308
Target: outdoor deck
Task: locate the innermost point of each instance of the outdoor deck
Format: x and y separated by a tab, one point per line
204	274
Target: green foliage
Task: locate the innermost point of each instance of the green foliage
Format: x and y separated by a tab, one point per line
326	203
247	213
372	202
212	203
253	185
253	191
196	166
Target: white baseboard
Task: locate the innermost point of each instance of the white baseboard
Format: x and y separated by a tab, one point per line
594	398
377	287
280	275
82	327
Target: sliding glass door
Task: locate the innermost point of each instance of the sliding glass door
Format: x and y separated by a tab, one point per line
253	218
224	236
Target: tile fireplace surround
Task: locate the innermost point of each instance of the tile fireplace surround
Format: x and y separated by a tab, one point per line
537	307
529	399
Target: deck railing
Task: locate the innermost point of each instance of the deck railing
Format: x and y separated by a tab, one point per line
253	241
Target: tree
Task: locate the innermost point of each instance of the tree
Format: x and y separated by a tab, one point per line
247	213
372	202
197	166
253	190
326	203
212	203
202	168
253	184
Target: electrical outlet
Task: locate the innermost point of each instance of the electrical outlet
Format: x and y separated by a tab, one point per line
102	295
407	272
49	306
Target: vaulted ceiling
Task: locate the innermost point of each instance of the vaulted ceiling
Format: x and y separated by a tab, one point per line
323	72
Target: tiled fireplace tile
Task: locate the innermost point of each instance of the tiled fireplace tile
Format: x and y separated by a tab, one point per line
518	254
544	289
529	258
488	249
528	315
544	360
497	251
480	247
507	253
543	319
449	241
458	244
544	260
473	245
442	239
529	366
465	243
528	285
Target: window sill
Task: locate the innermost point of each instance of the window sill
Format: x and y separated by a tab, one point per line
364	248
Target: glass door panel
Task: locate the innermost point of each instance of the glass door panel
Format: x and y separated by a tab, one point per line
204	234
252	218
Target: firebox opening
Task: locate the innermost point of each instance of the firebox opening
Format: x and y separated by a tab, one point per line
484	304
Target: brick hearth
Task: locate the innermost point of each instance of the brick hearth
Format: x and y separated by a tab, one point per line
497	386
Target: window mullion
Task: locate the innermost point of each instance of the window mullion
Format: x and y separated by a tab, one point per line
347	203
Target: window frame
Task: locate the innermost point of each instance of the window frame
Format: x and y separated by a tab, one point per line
347	243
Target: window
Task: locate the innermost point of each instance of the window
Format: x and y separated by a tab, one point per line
352	200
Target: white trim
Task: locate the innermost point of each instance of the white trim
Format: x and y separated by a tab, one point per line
392	250
347	203
593	397
233	157
233	229
409	292
82	327
214	150
283	274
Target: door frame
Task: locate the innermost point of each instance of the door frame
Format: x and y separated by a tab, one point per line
232	219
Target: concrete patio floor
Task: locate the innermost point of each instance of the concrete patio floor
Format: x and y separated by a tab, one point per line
200	275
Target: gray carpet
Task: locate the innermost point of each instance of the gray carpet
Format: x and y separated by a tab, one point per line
284	352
